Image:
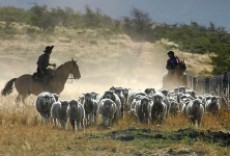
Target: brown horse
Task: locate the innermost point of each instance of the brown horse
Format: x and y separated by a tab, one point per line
175	78
26	85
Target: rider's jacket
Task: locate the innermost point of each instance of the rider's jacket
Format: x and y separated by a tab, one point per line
43	60
172	63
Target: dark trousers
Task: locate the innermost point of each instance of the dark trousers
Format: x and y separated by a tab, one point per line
41	71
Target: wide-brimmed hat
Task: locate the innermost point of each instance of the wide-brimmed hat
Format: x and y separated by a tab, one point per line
48	49
170	52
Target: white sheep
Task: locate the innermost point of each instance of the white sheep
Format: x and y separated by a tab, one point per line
76	114
143	110
44	103
58	112
195	111
91	107
212	106
107	108
114	97
159	109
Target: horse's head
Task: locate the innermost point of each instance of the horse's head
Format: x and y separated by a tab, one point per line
181	67
74	69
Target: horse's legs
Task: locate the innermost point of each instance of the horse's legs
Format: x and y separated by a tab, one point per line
23	99
18	99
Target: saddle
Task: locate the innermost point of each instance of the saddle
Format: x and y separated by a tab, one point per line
49	75
37	77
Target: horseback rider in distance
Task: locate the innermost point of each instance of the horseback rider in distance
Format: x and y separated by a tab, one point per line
43	62
172	62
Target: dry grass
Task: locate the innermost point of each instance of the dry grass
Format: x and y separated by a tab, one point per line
23	132
203	61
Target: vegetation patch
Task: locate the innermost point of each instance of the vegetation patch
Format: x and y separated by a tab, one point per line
219	138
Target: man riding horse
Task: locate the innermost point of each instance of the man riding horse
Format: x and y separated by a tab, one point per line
43	63
172	62
176	72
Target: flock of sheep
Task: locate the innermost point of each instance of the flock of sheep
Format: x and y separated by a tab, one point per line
147	106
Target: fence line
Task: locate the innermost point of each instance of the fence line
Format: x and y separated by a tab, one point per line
216	85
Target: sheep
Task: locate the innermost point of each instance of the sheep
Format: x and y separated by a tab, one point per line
136	99
159	109
107	108
195	111
58	112
166	99
186	96
150	91
125	92
206	98
56	97
212	106
76	114
168	104
143	109
192	93
90	106
95	96
131	96
119	93
112	96
44	103
174	107
81	99
183	100
165	92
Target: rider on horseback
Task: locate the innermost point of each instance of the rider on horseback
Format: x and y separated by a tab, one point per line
176	75
43	62
172	62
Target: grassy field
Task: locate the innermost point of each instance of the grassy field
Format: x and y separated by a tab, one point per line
22	132
105	59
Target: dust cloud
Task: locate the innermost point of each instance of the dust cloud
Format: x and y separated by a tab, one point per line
124	64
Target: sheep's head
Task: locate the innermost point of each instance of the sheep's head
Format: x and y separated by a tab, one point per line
88	97
214	99
108	106
158	98
150	91
64	104
196	103
56	97
165	92
73	103
109	95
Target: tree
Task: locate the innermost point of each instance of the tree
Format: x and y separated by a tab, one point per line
90	17
42	18
137	25
141	20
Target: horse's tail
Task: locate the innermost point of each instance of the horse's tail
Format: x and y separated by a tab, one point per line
8	87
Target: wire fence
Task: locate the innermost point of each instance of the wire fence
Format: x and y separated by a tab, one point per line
215	85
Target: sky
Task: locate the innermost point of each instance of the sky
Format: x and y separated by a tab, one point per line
161	11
